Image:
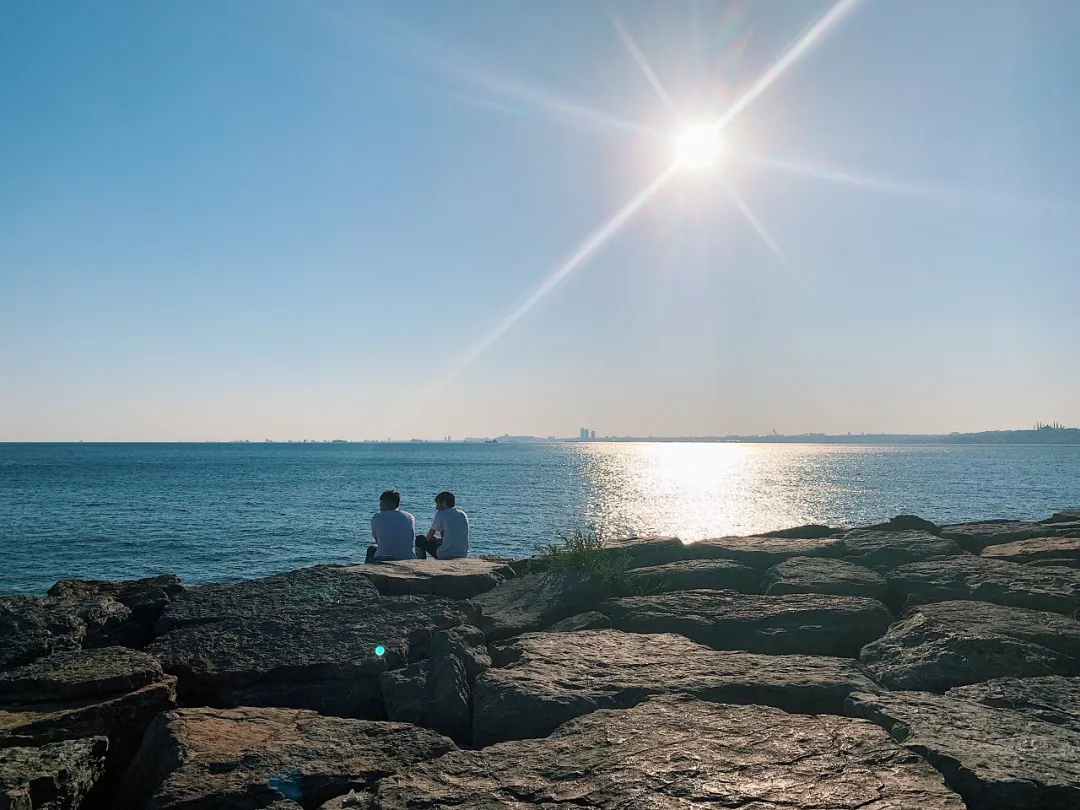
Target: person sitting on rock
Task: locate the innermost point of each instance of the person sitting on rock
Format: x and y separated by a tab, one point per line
448	537
394	530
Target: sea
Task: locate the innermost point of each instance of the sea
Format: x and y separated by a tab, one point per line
224	512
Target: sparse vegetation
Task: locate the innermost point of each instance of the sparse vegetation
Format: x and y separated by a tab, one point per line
584	551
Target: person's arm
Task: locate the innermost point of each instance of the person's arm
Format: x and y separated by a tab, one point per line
436	525
373	535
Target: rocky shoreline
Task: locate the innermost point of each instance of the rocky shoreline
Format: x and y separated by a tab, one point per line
901	665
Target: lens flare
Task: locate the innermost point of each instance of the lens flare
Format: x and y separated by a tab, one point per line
698	146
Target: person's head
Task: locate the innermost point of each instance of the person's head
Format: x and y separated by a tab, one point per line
390	499
445	500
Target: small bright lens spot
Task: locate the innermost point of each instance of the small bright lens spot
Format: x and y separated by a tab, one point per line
380	650
697	146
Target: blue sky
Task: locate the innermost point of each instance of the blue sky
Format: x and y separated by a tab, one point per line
293	219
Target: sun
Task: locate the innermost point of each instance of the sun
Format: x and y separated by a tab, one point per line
698	146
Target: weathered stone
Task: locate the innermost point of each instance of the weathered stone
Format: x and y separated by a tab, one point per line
237	759
994	758
764	552
680	754
1063	551
467	643
591	620
987	580
547	678
810	624
1052	699
882	551
639	552
31	627
57	776
903	523
823	575
324	657
946	644
810	531
1065	516
145	598
689	575
974	537
453	579
112	692
534	601
302	592
433	693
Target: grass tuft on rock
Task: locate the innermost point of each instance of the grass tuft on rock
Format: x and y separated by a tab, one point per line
584	552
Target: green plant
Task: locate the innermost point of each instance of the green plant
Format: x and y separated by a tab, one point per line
584	551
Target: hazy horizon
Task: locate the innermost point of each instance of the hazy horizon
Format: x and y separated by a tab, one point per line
222	221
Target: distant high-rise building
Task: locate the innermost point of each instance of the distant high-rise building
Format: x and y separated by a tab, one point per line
592	434
583	434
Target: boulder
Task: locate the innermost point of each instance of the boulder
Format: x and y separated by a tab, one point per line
809	531
986	580
31	627
680	753
467	643
689	575
433	693
882	551
592	620
545	679
808	624
946	644
994	758
974	537
639	552
237	759
1054	551
903	523
823	575
1065	516
57	776
764	552
534	601
112	692
453	579
145	598
1052	699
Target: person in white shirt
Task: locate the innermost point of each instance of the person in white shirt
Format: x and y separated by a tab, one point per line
448	537
394	530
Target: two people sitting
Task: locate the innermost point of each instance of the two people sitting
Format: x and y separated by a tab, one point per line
395	534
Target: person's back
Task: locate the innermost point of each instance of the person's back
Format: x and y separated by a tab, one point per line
394	530
452	526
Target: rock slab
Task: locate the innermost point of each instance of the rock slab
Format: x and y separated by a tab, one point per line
545	679
882	551
452	579
534	601
433	693
764	552
1063	551
57	776
1052	700
823	575
680	754
689	575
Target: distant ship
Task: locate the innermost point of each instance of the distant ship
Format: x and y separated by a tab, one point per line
491	441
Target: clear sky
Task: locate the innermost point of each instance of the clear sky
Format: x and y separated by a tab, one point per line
298	219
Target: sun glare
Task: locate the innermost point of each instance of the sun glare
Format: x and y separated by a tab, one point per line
698	146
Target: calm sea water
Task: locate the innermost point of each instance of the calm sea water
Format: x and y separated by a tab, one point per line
232	511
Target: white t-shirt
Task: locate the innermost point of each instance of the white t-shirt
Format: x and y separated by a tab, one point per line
395	533
454	525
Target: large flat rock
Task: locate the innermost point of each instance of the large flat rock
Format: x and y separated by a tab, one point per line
941	645
1053	699
764	552
994	758
57	776
238	759
1063	551
453	579
986	580
549	678
808	624
688	575
974	537
534	601
638	552
680	754
882	551
823	575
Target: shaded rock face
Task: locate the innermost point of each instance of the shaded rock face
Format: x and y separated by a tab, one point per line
987	580
452	579
548	678
112	692
823	575
688	575
809	531
974	537
467	643
1063	551
939	646
534	601
903	523
680	754
31	627
808	624
57	776
237	759
592	620
995	759
764	552
882	551
145	598
1065	516
433	693
1050	700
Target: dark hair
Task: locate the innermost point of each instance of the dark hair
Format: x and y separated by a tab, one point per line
391	497
446	499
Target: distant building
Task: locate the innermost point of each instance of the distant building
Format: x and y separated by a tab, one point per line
583	434
592	435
